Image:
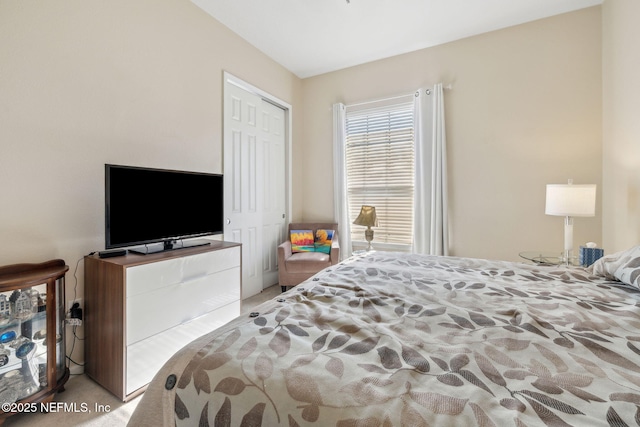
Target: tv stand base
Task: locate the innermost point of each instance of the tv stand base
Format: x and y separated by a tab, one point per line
169	245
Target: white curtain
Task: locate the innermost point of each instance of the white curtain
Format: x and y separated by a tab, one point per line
430	203
341	207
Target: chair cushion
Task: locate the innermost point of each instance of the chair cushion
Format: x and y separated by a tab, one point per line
307	262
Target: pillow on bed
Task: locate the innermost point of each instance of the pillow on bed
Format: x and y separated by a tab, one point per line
323	240
302	241
623	266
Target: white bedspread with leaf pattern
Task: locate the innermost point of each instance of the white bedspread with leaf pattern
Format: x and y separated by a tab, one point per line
394	339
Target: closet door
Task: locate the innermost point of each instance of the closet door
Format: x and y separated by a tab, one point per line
255	184
274	190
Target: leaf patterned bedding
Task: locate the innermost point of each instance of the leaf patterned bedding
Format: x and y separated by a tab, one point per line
392	339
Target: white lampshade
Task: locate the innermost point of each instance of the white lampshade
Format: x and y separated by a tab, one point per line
571	200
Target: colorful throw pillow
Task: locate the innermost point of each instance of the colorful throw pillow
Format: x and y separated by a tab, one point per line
323	240
302	241
623	266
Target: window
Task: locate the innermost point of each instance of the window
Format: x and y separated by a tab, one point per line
379	158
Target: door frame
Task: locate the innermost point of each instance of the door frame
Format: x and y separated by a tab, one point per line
288	127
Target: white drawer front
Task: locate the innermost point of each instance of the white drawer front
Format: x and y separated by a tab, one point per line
148	277
166	307
146	357
210	262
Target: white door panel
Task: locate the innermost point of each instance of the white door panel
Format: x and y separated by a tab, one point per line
255	184
274	195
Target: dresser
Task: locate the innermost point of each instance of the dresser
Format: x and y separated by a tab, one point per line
141	309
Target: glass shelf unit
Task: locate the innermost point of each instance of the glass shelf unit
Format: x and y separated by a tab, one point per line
32	341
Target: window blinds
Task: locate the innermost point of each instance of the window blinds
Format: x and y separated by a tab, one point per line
380	170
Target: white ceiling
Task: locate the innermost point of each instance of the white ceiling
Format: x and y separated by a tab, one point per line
311	37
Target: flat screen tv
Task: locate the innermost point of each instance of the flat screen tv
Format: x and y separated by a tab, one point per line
158	208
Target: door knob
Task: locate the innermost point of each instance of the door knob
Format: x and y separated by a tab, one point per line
228	221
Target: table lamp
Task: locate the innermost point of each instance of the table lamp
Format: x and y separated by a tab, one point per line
569	200
367	218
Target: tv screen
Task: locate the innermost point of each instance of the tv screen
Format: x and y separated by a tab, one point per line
144	205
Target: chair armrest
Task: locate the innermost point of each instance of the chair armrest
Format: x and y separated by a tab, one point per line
284	252
335	252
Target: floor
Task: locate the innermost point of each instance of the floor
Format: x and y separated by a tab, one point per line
85	403
265	295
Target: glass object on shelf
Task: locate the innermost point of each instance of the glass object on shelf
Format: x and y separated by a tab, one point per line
23	351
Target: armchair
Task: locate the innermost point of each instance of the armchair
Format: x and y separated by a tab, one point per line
294	268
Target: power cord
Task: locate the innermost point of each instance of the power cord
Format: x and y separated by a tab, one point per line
75	315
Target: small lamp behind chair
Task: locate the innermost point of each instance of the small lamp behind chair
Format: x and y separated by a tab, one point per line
570	200
367	218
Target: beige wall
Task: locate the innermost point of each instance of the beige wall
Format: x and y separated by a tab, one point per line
88	83
525	110
621	125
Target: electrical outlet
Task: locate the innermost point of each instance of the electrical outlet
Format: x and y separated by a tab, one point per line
75	309
71	301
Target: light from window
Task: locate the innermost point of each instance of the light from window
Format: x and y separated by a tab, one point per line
380	170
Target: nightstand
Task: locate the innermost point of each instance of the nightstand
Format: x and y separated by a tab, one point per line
361	252
546	258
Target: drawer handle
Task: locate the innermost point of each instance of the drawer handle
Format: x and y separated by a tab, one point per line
188	280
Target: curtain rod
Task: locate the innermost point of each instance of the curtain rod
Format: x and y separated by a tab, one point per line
379	100
446	87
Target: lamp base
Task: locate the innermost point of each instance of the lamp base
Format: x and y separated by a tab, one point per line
567	255
368	236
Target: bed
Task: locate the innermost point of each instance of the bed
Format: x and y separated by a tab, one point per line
390	339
